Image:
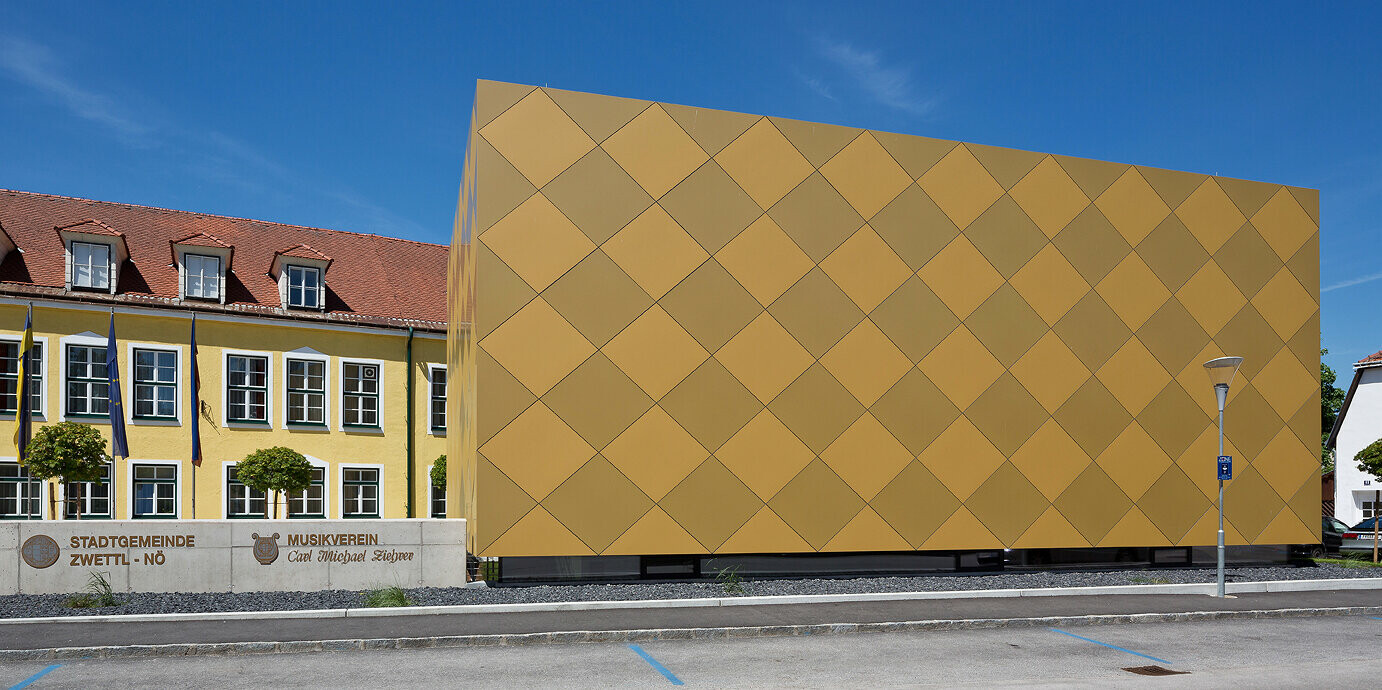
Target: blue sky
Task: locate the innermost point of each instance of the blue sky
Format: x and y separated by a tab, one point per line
353	115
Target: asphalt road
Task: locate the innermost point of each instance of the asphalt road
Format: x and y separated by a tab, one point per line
46	635
1292	652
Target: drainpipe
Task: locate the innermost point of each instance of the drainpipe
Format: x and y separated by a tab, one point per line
409	385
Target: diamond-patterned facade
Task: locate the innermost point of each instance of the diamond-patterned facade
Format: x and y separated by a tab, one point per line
709	332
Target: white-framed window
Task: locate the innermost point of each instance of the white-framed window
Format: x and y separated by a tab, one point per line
1369	509
360	490
154	383
312	501
242	501
92	498
306	389
202	276
9	376
436	498
85	381
90	265
245	395
304	287
155	489
360	386
436	399
21	496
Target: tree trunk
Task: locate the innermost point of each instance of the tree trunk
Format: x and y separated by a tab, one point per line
273	505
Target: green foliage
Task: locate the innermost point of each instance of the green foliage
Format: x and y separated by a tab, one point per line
728	579
98	594
1148	580
1370	459
1331	397
439	473
70	451
275	469
1350	561
388	597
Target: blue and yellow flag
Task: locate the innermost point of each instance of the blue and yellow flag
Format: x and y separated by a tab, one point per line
196	400
119	446
23	414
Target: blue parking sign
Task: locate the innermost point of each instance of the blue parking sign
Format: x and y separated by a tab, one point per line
1225	467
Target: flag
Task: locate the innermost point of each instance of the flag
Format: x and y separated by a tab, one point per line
119	446
23	415
196	400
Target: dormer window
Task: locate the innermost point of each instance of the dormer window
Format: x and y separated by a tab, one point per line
301	274
203	263
203	276
95	252
304	286
91	266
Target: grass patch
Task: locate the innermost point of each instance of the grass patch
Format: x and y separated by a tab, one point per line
388	597
99	594
1148	580
728	579
1349	561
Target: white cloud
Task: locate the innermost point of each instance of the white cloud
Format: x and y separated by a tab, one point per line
33	64
208	154
1351	282
814	84
888	84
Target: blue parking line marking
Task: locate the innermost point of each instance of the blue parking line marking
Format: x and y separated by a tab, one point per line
646	657
1110	646
30	680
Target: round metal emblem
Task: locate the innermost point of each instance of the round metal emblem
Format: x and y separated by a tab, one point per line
40	551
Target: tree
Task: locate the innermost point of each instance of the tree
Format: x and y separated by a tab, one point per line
1331	400
275	471
439	473
1370	462
70	451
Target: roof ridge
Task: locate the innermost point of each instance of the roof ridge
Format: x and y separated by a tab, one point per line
219	215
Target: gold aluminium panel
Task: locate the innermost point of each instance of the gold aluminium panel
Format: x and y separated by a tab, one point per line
681	330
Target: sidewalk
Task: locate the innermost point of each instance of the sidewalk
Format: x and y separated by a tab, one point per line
517	627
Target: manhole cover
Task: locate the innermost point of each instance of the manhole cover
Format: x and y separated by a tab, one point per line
1153	671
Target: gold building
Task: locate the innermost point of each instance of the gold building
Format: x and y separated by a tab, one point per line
705	332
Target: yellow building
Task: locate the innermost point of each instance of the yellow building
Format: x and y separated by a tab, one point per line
330	343
702	332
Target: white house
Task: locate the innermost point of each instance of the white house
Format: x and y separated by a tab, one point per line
1358	425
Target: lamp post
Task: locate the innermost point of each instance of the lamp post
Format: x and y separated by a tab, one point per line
1221	372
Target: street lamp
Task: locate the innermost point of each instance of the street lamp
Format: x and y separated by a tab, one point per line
1221	372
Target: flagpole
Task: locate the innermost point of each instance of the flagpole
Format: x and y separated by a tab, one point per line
195	421
24	413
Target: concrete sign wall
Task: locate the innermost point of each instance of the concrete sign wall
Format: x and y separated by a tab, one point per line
231	555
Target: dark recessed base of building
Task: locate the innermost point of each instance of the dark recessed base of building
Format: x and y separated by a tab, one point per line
547	569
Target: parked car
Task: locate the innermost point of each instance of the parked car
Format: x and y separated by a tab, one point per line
1358	538
1332	534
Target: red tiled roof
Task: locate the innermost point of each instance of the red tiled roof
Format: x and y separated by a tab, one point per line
201	239
303	251
1374	358
95	227
373	279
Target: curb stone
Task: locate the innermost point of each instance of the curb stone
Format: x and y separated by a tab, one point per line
654	634
1202	588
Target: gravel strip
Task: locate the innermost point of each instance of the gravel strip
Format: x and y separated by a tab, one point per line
34	605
